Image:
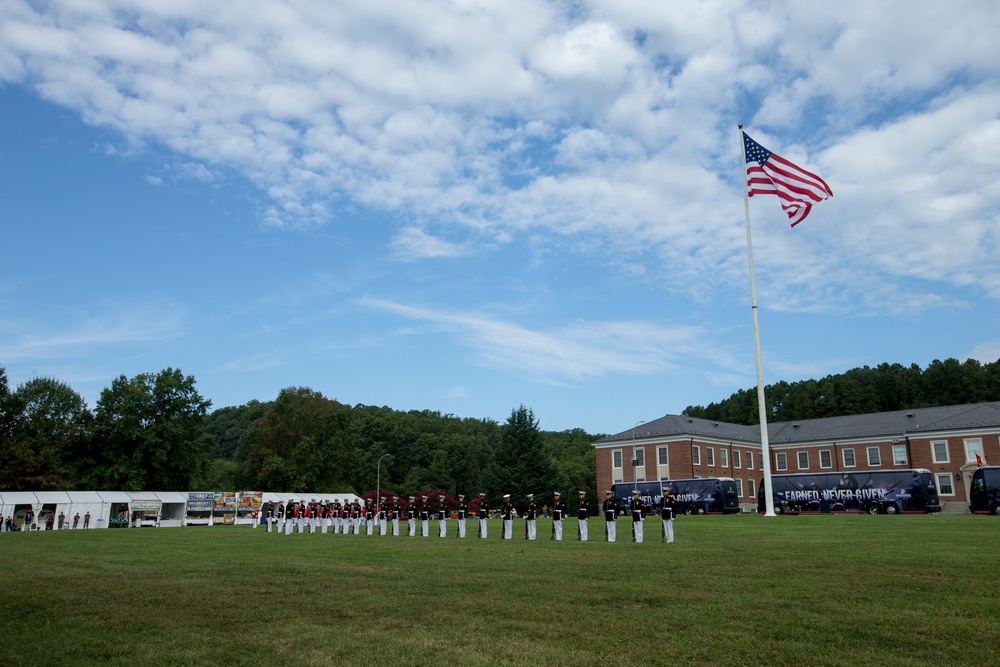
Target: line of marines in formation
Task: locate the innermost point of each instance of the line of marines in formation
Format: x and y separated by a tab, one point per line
385	518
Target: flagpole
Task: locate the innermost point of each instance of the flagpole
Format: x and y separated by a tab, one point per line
761	404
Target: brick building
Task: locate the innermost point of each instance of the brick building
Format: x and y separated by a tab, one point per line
944	440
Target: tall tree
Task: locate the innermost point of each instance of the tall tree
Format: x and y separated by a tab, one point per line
46	428
150	433
521	462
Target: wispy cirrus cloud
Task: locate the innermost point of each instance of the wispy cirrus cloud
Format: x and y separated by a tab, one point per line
575	352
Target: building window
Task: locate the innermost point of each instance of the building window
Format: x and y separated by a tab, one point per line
825	458
939	451
736	458
695	455
803	460
739	487
724	458
760	460
750	488
945	487
640	457
899	455
849	461
781	461
616	458
661	454
973	446
874	457
710	456
749	460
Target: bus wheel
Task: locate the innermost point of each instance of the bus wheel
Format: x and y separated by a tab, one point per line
891	509
778	510
996	509
701	510
689	511
873	509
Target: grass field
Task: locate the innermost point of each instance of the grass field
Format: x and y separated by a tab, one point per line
742	590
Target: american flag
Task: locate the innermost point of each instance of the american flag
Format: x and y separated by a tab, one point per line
770	174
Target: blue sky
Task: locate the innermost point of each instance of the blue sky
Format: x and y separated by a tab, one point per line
466	206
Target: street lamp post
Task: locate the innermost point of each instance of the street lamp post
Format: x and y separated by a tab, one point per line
633	454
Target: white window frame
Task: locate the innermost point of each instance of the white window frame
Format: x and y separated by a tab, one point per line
710	457
616	454
899	455
854	458
798	460
947	453
739	487
878	456
723	457
749	460
829	459
780	461
970	452
736	459
696	455
662	456
947	477
751	489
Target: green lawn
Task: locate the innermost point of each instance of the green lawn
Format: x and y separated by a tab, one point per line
742	590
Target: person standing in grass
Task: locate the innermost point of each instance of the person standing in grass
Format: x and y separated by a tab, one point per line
411	516
463	509
636	507
667	517
610	517
530	514
425	517
86	520
442	515
507	513
558	514
383	516
582	515
484	515
397	513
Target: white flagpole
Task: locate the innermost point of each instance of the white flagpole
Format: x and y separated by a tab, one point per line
761	405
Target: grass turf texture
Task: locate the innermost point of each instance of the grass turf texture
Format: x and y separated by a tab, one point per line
826	590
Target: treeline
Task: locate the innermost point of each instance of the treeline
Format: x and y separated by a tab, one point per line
155	432
864	390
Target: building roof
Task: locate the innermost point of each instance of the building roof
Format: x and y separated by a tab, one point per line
918	421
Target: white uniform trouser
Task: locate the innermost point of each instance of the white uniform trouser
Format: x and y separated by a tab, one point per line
395	527
583	530
668	530
413	527
269	522
508	529
557	527
369	526
324	525
442	528
610	527
483	526
289	526
637	529
531	529
424	527
381	527
461	527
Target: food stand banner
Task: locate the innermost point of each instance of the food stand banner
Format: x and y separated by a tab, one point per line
224	510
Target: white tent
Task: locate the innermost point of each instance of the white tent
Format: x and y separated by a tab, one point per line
174	508
16	504
53	503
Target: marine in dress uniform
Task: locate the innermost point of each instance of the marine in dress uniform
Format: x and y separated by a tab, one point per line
383	516
530	514
582	514
667	513
507	513
411	516
442	515
425	517
610	516
636	507
370	516
558	515
290	517
463	510
269	514
484	515
397	513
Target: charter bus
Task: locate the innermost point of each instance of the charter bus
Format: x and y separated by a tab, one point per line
872	491
984	497
702	495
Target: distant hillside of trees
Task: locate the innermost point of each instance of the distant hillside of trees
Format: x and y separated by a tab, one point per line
864	390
